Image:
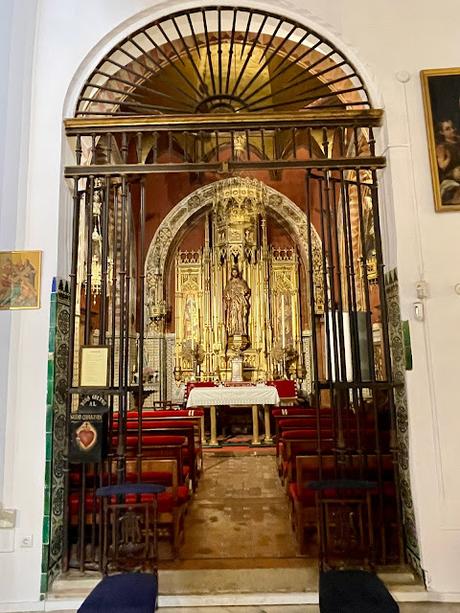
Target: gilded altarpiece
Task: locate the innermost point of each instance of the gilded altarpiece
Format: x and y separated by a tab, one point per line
235	214
287	353
235	238
191	336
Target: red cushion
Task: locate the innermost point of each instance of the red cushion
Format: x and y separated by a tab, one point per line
91	503
301	411
151	476
164	413
305	434
165	500
285	388
153	440
160	423
307	496
91	478
299	423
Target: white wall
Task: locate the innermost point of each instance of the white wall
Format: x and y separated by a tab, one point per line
401	36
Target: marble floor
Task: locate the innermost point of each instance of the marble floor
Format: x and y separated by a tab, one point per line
240	510
432	607
410	607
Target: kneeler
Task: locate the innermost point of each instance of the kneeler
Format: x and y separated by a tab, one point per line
125	592
354	591
348	591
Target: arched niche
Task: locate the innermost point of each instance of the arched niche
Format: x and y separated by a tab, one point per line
187	212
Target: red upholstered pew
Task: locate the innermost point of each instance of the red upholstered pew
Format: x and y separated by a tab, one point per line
161	462
377	468
302	498
299	422
153	423
301	442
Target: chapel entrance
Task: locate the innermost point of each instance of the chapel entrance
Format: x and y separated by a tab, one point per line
226	233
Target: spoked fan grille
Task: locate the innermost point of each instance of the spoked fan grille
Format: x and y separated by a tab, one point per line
221	60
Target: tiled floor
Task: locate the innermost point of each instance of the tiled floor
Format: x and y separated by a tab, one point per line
240	510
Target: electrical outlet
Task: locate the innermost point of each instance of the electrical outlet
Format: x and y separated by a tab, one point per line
27	541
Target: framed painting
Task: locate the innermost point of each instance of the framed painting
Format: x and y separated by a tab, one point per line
20	279
441	99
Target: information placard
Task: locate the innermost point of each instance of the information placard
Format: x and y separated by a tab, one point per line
94	366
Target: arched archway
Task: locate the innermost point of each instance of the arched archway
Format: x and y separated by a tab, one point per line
172	227
323	136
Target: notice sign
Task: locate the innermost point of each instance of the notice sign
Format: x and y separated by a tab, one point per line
88	434
94	366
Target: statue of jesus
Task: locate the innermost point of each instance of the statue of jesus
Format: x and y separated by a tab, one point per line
236	300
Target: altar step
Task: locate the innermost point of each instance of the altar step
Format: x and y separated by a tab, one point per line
287	582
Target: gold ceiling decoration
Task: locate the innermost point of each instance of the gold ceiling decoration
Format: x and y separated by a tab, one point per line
221	60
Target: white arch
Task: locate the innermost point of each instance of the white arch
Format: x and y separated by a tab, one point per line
289	10
162	9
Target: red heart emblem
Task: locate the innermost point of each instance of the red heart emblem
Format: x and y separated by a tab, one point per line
86	436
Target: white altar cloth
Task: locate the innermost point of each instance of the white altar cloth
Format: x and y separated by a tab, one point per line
233	396
244	395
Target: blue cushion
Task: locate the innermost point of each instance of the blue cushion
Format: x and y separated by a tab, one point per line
354	591
130	488
125	593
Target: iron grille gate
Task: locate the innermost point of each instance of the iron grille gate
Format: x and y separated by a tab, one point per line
352	367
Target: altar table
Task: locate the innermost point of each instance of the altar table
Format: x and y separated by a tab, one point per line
245	395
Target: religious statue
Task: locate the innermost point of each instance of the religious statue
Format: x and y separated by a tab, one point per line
236	299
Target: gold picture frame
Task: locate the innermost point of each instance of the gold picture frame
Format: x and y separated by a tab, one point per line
20	273
441	100
94	366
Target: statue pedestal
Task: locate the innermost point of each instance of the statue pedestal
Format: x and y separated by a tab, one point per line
237	368
238	342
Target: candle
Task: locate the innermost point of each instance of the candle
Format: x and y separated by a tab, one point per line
283	321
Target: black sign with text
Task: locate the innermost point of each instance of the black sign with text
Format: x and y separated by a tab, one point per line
88	434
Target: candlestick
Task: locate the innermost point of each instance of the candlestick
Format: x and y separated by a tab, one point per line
283	321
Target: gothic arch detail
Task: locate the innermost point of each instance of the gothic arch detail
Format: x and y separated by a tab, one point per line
171	228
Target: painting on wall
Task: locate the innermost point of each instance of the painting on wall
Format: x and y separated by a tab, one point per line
441	98
20	279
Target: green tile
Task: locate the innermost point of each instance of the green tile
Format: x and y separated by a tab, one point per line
50	370
50	382
52	327
52	339
47	501
45	558
48	469
46	530
44	583
49	445
49	418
